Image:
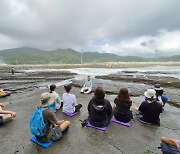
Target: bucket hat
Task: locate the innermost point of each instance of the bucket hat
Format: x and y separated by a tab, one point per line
157	86
150	93
46	99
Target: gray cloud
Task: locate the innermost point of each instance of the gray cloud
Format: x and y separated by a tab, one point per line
115	26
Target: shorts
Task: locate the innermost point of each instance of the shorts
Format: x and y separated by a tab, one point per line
56	133
1	118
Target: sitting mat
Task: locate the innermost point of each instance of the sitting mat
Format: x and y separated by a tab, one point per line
128	124
70	114
89	125
45	145
144	122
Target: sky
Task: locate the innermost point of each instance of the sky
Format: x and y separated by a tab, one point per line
124	27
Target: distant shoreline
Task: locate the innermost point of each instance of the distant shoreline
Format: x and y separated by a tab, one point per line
90	65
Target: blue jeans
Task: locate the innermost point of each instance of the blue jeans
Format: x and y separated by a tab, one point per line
164	99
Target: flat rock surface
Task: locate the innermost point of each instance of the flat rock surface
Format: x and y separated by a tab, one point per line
135	89
116	139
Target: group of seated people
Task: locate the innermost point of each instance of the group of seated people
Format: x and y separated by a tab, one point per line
99	109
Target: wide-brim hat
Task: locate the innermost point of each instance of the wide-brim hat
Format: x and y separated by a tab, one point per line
157	86
46	99
150	93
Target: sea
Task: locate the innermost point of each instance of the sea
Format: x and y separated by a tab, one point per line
165	71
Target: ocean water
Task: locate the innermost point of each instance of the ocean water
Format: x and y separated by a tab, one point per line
167	71
170	71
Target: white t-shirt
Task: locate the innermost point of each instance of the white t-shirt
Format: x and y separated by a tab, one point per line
88	83
57	99
69	102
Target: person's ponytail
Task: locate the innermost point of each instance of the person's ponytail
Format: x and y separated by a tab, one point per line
52	88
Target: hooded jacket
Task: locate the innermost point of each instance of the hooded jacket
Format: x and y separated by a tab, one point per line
100	112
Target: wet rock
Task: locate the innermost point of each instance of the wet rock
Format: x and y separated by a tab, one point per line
164	81
129	71
32	80
159	72
135	88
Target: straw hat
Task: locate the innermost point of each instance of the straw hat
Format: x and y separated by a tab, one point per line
150	93
157	86
46	99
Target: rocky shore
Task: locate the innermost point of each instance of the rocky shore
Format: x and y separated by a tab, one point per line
25	80
171	85
27	86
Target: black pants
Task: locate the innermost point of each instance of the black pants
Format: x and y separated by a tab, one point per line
77	107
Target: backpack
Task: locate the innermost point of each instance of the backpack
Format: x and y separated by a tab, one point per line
37	125
168	149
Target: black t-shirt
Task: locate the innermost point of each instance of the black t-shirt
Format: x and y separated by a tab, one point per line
150	112
100	112
122	111
122	107
49	120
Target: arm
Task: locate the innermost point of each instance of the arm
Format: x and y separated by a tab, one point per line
88	107
2	105
59	122
58	99
84	84
91	84
115	102
160	101
135	107
114	106
53	119
131	107
169	141
7	112
142	107
109	111
74	101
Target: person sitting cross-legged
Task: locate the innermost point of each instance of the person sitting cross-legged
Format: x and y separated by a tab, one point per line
122	105
5	115
53	126
100	109
150	109
87	86
58	102
69	101
159	94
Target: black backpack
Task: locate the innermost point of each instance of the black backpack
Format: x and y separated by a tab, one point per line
169	149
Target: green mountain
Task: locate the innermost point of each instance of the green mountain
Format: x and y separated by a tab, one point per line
8	52
26	55
175	58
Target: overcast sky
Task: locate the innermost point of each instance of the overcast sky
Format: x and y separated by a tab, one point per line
124	27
